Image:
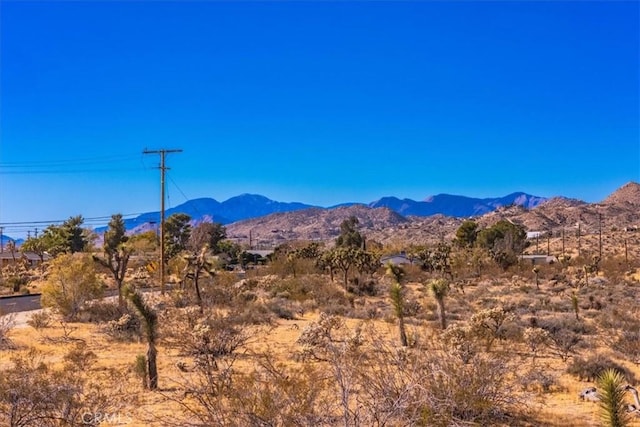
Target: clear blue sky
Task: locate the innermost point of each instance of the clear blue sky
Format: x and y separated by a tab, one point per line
318	102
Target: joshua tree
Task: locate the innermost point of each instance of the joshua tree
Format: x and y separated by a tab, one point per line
150	322
116	252
611	391
574	304
439	288
196	265
396	293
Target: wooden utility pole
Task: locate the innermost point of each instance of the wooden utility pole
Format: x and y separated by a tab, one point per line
600	235
579	249
162	168
549	243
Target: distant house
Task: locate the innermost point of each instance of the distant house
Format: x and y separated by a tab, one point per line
534	234
539	259
33	259
260	252
396	259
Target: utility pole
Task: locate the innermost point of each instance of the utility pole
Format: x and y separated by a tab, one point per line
626	253
600	235
1	240
563	242
579	251
162	168
548	243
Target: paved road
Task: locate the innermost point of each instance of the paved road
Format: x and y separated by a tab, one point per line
19	303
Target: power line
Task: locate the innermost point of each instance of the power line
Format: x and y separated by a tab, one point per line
56	221
86	160
110	163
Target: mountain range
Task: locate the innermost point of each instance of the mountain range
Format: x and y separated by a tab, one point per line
619	211
258	220
251	206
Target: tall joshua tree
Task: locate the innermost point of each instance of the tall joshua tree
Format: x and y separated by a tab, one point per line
439	288
149	320
396	293
116	252
611	388
196	266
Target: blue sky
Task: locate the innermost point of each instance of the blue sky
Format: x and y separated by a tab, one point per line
318	102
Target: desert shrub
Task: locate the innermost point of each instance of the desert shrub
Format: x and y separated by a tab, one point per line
323	339
592	367
564	343
460	394
140	369
7	322
538	380
180	298
253	313
565	335
247	296
40	319
32	393
102	311
295	288
491	324
461	341
361	285
126	328
627	343
329	297
623	329
279	395
535	339
71	282
282	308
205	337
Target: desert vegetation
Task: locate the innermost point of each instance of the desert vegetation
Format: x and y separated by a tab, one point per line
321	333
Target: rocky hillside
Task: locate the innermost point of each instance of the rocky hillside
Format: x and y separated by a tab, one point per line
617	211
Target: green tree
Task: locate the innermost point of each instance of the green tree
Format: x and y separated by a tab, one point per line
505	241
149	320
439	289
54	240
177	231
396	294
116	252
75	235
72	281
207	233
144	243
349	236
466	234
69	237
36	245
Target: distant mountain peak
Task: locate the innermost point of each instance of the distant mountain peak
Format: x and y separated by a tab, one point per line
628	193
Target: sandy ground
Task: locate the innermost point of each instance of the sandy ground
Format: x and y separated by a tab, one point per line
20	319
